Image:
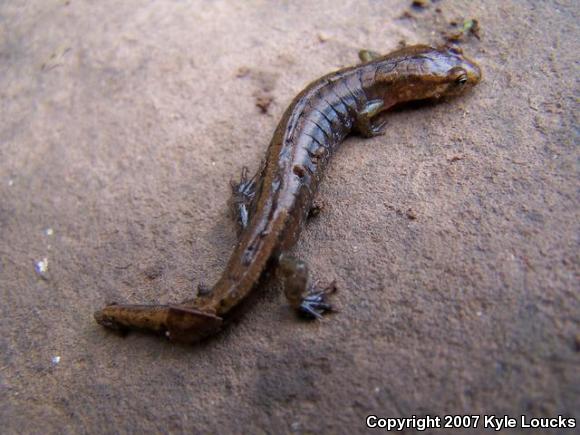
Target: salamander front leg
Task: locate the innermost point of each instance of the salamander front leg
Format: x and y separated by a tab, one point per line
307	299
368	55
364	123
315	209
243	194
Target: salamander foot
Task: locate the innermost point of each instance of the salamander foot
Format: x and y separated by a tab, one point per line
243	194
315	304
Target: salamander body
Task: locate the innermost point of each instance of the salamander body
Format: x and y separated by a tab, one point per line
273	206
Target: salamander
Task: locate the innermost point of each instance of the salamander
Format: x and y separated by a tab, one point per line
273	205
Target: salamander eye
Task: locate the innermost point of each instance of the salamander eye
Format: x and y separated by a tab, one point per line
458	75
461	80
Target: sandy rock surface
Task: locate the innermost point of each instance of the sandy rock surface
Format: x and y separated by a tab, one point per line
453	238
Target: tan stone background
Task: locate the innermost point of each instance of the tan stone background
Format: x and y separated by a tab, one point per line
121	124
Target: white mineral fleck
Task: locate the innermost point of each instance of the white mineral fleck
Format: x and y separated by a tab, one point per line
42	266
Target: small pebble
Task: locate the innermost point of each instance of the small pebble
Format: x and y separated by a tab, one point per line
263	102
420	3
242	72
323	36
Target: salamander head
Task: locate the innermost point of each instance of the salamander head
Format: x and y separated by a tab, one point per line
457	71
423	72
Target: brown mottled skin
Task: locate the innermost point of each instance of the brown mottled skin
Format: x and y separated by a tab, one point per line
274	205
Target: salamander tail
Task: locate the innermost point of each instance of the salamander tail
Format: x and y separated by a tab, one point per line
178	323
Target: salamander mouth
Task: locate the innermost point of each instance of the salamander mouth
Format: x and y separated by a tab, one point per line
109	323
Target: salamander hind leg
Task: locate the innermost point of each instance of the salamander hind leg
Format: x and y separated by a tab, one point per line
309	300
243	194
